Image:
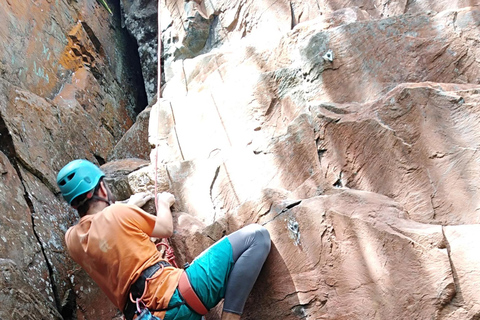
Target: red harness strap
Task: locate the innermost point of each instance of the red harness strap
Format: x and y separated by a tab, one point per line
191	298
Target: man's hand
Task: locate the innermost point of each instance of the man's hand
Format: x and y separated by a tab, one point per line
139	199
164	224
167	198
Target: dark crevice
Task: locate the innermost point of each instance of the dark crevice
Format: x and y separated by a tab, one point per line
47	262
210	237
284	210
101	161
457	295
8	148
211	191
69	305
320	153
93	38
39	175
339	182
6	143
292	16
127	44
135	73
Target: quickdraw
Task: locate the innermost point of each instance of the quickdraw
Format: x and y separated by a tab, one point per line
146	315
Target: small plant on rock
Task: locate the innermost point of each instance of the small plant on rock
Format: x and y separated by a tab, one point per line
104	3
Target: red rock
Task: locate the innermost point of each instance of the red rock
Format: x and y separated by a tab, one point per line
351	138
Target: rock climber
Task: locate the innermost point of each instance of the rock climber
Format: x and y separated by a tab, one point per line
111	242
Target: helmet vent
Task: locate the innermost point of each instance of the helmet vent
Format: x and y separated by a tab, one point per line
68	178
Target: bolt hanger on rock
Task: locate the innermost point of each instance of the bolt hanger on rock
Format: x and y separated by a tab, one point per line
328	56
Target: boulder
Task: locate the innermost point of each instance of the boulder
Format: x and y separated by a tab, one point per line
45	137
134	143
344	141
116	176
414	145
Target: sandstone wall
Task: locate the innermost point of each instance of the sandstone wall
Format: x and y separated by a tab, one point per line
347	128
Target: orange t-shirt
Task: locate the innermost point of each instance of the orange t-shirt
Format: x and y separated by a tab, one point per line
114	247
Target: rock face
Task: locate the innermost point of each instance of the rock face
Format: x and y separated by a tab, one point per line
347	128
352	138
333	255
67	90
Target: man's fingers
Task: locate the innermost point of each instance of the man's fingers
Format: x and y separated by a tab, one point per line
166	197
139	199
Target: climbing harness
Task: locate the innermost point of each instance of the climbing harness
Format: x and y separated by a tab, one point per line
138	289
135	305
189	296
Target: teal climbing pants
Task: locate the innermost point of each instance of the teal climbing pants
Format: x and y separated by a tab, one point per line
208	275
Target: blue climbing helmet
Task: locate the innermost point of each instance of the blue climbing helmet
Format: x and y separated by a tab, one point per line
78	177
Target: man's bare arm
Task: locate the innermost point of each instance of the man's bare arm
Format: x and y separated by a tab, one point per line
164	224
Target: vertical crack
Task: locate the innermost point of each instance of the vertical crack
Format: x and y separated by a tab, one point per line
457	294
8	148
292	16
175	131
217	171
42	248
287	207
185	77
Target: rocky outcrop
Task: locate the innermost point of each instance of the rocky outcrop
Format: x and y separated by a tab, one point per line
348	129
353	141
132	144
67	90
333	255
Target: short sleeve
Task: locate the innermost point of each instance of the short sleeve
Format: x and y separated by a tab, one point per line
135	217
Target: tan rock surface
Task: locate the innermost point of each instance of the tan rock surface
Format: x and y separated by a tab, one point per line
465	259
348	128
284	136
352	255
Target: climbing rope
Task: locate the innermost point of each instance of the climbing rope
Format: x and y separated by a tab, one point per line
169	253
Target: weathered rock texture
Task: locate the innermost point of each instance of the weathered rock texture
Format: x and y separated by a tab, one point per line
352	137
348	128
67	90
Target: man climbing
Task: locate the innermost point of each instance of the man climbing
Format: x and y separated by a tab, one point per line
111	242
